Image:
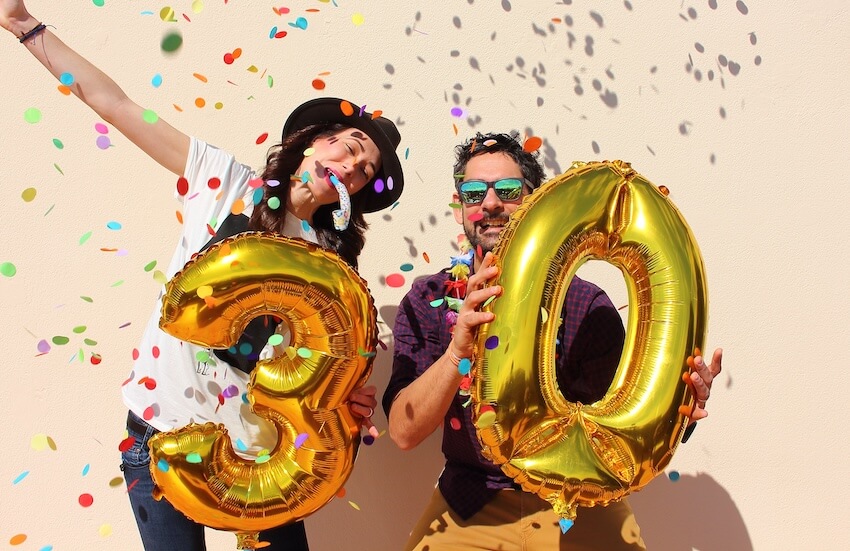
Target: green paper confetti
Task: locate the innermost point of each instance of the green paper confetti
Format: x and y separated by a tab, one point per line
32	115
149	116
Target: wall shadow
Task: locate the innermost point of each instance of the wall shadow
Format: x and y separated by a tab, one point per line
695	512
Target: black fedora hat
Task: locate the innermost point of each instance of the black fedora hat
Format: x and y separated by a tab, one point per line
380	129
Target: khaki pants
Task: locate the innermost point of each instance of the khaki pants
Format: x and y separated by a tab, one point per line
520	521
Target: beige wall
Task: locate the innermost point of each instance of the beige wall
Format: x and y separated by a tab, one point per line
755	161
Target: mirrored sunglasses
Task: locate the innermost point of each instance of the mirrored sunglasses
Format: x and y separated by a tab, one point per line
472	192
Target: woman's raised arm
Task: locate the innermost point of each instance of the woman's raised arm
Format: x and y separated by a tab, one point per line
161	141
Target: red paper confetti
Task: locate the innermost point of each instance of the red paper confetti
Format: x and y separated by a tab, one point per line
395	280
262	137
86	500
532	144
155	351
126	444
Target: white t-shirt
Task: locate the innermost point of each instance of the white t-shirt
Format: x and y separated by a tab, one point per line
174	383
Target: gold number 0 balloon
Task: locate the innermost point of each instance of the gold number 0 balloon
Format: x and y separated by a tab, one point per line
585	454
330	313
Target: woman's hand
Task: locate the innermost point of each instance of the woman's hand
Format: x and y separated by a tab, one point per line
13	13
362	404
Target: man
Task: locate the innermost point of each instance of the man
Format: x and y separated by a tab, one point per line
476	506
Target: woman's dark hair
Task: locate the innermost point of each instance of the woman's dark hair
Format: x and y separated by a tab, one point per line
509	144
282	162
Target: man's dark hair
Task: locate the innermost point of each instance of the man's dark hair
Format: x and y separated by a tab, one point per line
509	144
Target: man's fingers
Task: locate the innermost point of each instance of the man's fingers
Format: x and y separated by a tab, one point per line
716	362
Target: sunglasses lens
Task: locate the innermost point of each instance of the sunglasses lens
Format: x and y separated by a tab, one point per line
508	189
473	192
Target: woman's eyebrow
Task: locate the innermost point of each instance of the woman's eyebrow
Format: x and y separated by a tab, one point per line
359	137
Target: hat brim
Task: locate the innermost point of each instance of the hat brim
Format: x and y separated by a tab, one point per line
329	110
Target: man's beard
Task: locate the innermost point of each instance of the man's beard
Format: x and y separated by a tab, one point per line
483	244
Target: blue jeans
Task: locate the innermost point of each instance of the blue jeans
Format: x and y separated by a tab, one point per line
164	528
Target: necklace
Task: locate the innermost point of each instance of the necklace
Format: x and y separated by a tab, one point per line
455	293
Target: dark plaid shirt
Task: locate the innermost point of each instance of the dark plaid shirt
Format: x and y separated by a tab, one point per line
590	343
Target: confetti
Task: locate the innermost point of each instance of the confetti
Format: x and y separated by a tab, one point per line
486	418
346	108
305	352
20	477
300	439
357	19
17	539
171	42
8	269
395	280
156	81
32	115
167	15
113	225
354	505
149	116
674	476
532	144
193	457
86	500
565	525
262	138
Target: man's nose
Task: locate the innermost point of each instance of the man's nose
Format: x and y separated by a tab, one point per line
491	201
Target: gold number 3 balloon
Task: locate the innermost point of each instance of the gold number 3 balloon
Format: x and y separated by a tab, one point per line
332	320
586	454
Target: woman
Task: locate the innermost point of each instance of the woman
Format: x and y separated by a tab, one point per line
172	382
